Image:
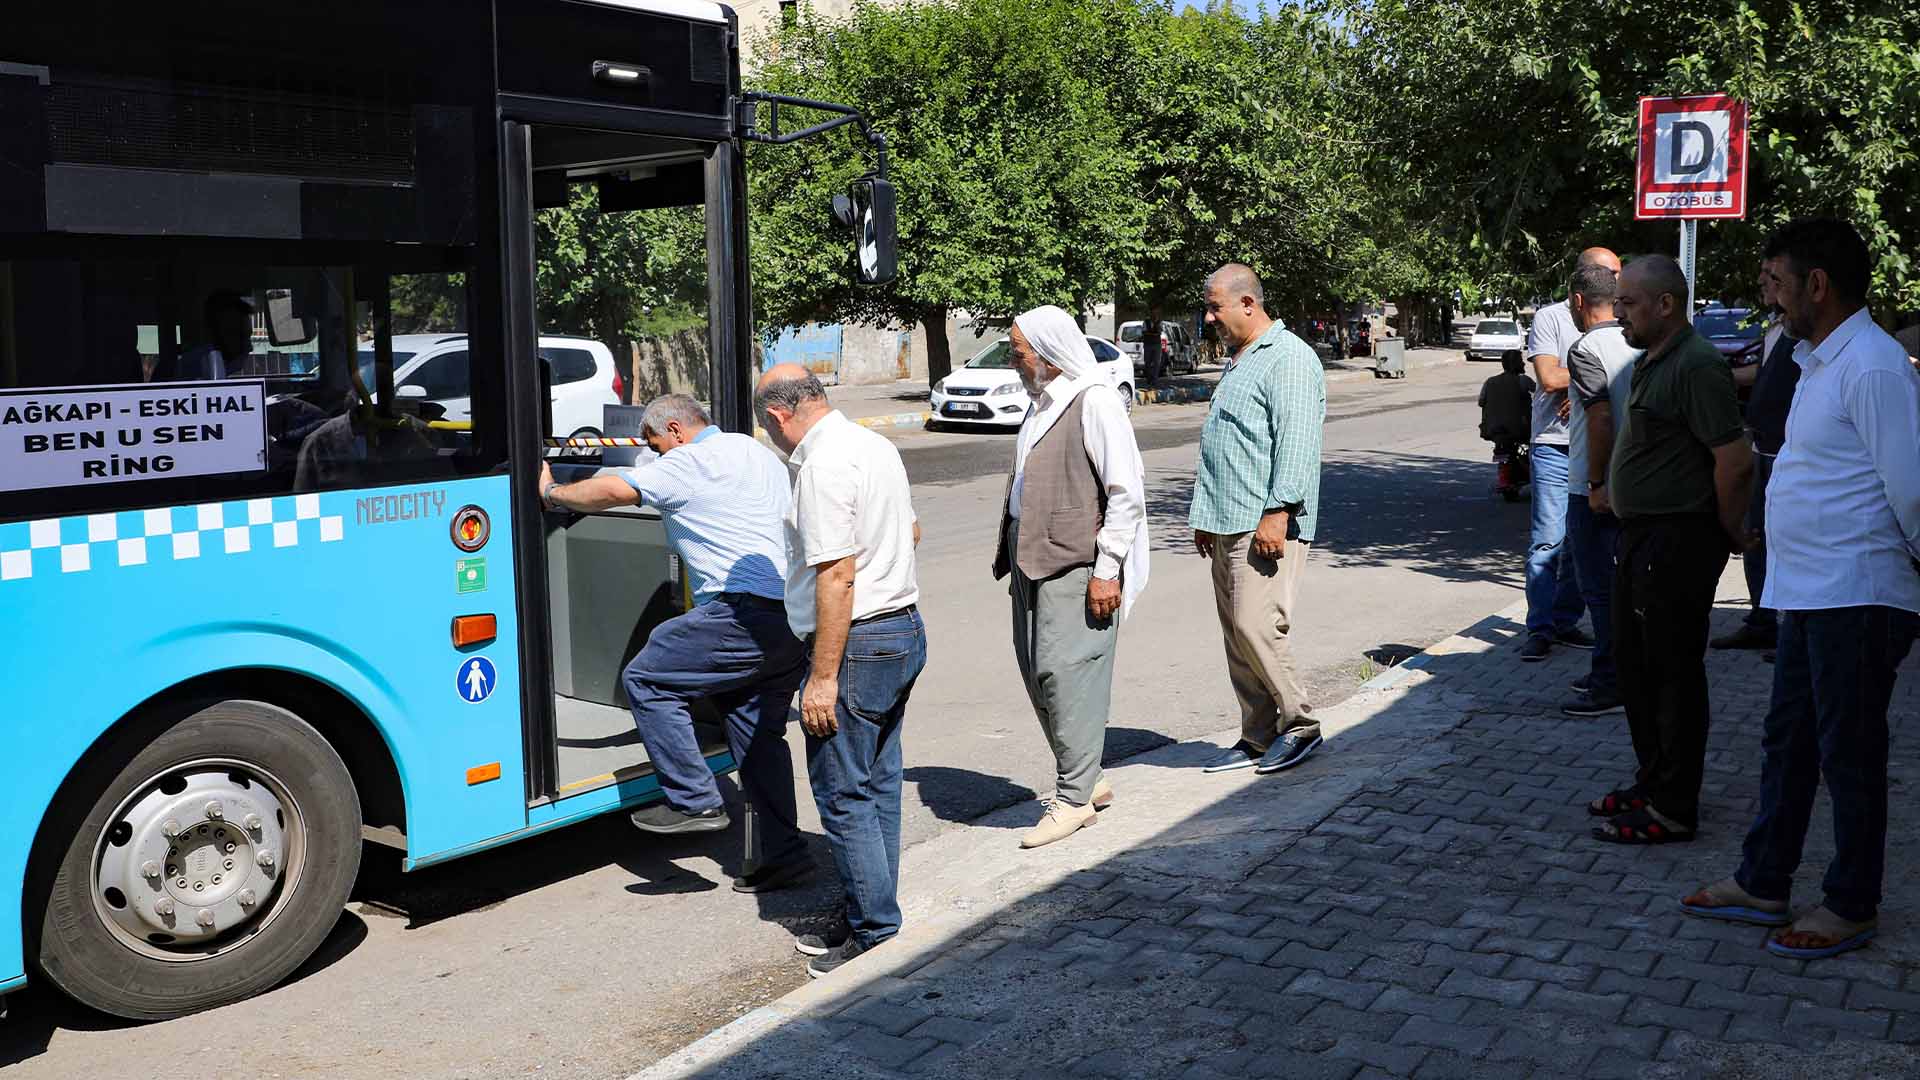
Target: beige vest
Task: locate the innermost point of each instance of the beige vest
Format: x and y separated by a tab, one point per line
1062	503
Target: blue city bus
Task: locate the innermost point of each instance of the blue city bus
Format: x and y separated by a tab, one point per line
257	608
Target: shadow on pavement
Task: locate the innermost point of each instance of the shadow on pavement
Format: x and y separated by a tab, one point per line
1123	743
962	794
39	1010
1379	510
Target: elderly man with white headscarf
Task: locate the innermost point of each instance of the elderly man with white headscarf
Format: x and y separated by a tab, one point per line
1073	536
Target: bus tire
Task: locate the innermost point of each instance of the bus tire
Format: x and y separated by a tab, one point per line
159	904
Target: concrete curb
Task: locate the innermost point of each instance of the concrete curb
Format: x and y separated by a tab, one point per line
891	420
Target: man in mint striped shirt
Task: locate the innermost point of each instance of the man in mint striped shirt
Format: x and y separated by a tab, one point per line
1255	497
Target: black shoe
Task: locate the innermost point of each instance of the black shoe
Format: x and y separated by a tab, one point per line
1291	750
1536	648
776	877
1748	636
1581	685
1241	755
665	820
820	944
1592	704
1573	638
831	960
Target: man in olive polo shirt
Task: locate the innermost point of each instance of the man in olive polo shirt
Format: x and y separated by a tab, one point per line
1679	484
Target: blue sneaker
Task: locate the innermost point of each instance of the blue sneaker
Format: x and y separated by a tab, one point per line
1291	750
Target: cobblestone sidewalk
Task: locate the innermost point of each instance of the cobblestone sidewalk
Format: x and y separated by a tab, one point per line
1420	900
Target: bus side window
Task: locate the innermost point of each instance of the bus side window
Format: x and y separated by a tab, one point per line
291	352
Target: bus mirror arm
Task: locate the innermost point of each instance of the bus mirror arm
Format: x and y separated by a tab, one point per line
747	115
867	209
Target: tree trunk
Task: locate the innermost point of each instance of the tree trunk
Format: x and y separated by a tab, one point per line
939	353
1151	358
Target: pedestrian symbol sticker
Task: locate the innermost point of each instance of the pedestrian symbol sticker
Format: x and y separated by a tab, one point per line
470	575
475	679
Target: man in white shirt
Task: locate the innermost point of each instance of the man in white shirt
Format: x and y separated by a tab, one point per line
724	500
852	595
1554	603
1073	536
1843	531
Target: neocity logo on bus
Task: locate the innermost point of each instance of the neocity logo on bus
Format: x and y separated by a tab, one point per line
382	509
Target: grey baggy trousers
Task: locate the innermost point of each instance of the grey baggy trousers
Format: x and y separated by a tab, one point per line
1066	661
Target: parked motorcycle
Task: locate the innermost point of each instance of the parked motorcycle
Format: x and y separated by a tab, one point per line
1512	471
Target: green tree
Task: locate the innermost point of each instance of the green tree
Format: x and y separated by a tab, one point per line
1521	119
1243	155
619	277
1014	179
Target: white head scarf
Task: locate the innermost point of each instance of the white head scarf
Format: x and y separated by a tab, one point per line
1059	340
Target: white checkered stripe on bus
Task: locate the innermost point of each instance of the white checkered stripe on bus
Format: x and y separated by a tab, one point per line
77	545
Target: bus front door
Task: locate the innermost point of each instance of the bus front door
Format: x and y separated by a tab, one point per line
610	218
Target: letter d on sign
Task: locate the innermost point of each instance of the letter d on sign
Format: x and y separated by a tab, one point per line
1680	164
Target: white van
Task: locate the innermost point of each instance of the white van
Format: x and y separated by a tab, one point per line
433	367
1178	353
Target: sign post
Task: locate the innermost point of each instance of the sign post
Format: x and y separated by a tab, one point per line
1693	165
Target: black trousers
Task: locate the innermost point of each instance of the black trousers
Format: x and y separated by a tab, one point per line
1663	588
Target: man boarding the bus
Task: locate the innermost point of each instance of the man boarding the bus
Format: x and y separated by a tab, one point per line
724	499
1073	536
852	594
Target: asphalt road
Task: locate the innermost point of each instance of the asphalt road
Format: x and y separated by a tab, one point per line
592	951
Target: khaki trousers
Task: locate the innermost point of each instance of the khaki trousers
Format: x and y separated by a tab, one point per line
1255	596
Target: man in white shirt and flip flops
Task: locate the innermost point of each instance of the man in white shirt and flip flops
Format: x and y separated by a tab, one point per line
1843	533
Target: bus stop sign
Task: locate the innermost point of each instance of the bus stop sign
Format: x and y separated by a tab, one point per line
1693	158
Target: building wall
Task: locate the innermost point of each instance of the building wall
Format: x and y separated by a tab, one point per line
759	18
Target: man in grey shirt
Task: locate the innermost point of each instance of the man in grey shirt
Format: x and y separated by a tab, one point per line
1553	592
1599	372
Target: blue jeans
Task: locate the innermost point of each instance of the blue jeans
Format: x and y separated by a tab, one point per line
1591	541
1832	680
1754	562
1553	593
737	651
856	770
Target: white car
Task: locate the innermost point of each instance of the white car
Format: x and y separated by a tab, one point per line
986	392
433	367
1493	337
1178	353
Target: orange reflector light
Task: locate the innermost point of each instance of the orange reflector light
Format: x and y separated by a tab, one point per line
474	630
480	774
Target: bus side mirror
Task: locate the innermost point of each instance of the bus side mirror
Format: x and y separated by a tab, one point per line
283	326
868	209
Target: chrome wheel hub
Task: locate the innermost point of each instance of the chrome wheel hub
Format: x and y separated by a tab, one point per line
195	856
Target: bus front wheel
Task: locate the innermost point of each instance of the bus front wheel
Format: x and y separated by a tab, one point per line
213	858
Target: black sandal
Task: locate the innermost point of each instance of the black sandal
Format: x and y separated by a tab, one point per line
1615	803
1640	828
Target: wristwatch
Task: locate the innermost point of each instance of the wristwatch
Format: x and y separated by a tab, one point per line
546	493
1596	485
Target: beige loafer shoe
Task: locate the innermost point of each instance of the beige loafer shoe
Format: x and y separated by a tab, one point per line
1102	794
1061	820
